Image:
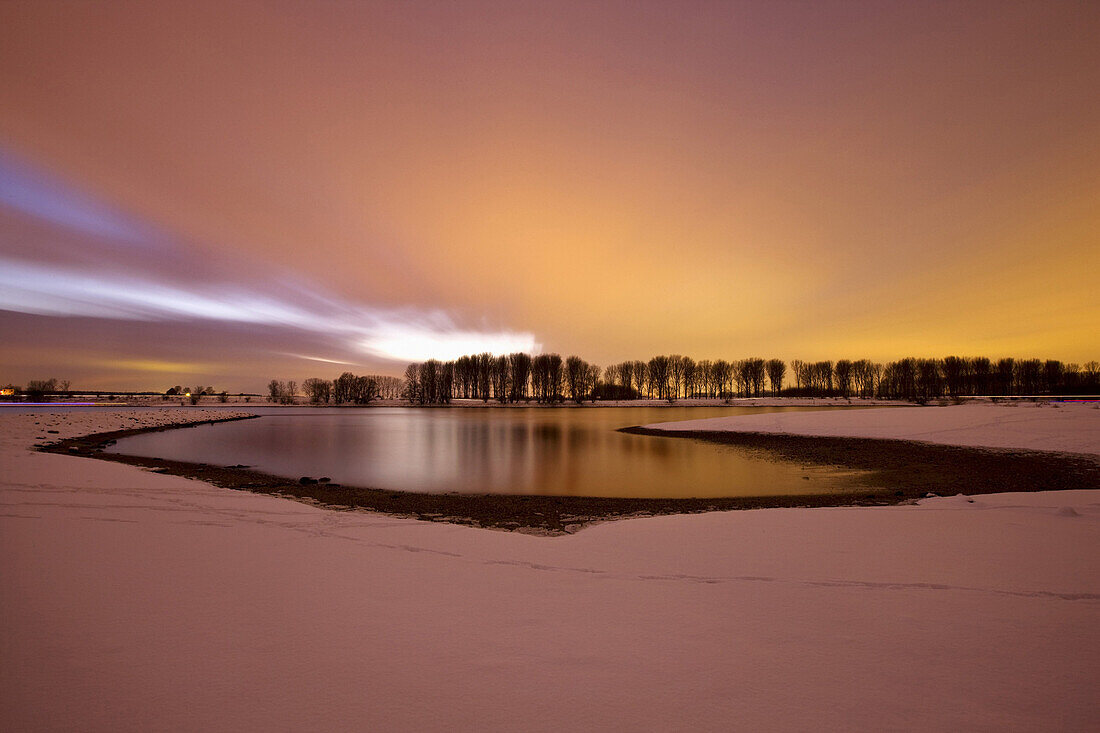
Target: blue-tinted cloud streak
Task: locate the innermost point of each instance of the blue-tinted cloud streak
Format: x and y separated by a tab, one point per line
106	282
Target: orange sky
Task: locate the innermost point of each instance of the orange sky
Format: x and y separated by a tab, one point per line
801	180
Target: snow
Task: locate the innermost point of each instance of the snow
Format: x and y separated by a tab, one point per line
139	601
1064	427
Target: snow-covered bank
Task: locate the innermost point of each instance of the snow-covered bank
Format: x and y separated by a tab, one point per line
23	428
1065	427
137	601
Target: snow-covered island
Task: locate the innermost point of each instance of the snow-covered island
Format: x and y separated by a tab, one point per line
138	601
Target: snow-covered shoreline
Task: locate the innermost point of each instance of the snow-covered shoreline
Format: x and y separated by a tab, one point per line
1060	427
135	601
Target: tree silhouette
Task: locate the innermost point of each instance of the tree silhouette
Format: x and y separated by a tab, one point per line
843	375
520	364
576	378
549	379
776	369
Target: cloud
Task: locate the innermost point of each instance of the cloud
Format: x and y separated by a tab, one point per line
119	267
29	191
395	334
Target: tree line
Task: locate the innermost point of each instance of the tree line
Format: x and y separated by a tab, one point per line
37	389
548	378
195	394
347	388
924	379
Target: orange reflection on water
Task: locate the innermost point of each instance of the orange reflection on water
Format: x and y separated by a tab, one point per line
565	452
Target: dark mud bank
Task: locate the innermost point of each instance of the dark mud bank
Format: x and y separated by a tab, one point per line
910	469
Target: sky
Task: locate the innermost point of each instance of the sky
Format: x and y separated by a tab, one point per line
229	192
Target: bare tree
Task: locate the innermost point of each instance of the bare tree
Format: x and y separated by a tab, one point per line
389	388
37	389
412	383
742	374
317	390
1053	373
658	375
689	375
539	376
343	388
365	390
776	370
843	373
502	373
592	382
1028	375
521	373
798	367
756	371
576	377
546	377
723	374
675	375
928	379
954	371
278	391
864	374
640	375
824	370
981	371
1006	372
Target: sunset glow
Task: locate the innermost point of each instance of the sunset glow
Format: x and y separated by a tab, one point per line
795	180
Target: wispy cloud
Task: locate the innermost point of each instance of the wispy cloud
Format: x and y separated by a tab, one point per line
316	358
136	285
44	197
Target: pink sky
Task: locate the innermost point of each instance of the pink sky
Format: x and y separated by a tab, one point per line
213	192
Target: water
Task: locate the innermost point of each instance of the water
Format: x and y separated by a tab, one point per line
567	451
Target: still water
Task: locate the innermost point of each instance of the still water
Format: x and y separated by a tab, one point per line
566	451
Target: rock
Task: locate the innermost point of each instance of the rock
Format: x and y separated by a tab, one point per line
324	480
306	480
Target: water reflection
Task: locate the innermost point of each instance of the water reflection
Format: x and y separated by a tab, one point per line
568	452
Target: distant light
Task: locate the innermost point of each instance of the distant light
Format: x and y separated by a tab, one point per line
411	343
397	335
